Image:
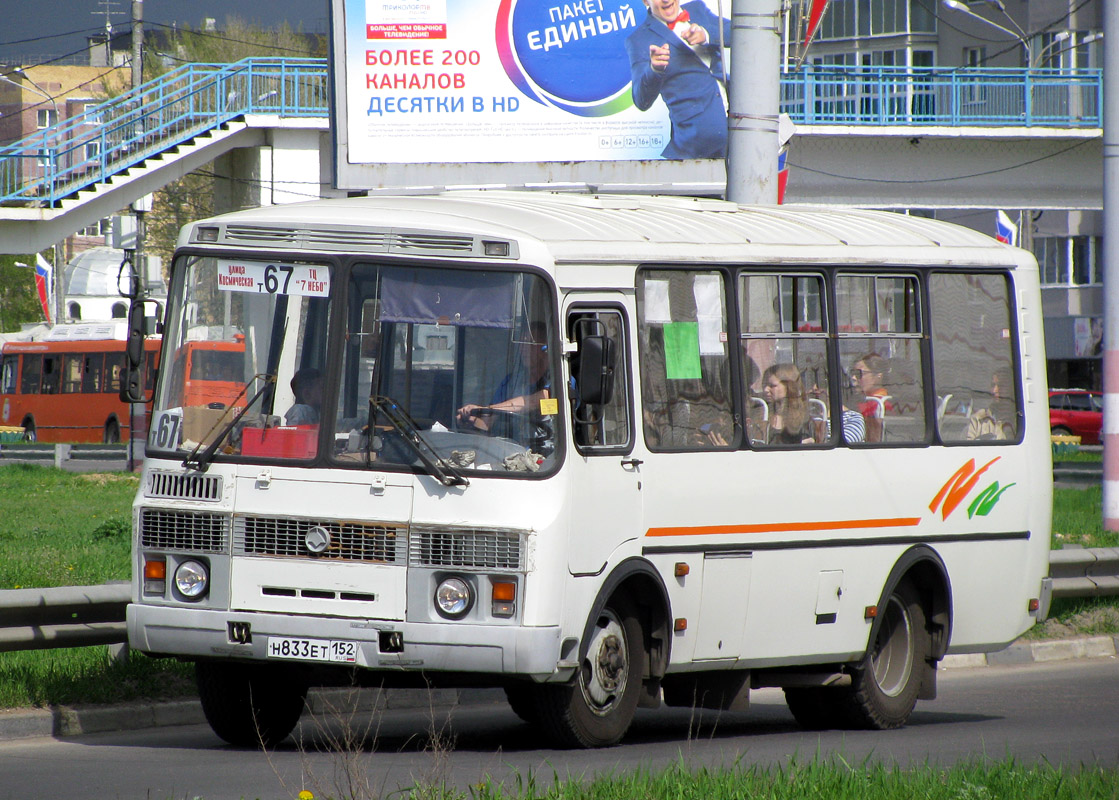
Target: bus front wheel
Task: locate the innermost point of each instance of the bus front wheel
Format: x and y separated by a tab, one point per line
597	707
29	430
250	706
885	685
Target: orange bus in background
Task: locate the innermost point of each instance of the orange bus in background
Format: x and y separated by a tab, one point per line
67	390
214	374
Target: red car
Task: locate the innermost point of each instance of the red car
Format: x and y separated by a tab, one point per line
1077	412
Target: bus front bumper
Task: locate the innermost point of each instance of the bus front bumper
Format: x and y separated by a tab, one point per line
440	647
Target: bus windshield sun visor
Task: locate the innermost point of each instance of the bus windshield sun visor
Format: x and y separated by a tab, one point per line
448	297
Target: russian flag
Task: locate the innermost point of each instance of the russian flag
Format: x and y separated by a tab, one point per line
1005	230
782	175
43	273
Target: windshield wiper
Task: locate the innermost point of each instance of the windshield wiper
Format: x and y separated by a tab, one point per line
199	461
437	466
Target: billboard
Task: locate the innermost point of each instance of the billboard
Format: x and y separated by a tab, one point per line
516	92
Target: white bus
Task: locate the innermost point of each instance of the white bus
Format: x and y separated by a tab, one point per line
604	452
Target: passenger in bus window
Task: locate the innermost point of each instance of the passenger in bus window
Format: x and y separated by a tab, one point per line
997	421
868	376
789	421
306	385
520	391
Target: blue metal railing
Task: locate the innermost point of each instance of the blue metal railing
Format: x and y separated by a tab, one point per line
980	96
104	140
83	150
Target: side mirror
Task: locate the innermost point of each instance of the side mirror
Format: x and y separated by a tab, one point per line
595	375
132	382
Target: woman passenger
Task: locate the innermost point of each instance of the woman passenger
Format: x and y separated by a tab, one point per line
789	421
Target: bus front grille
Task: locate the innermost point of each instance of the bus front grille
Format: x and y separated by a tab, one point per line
185	531
178	486
345	541
465	548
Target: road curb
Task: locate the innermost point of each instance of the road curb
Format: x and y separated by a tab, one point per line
1035	652
70	721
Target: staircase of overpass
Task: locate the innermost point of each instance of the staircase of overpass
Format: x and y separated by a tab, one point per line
882	137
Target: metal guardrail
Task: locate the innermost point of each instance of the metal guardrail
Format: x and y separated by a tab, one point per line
85	149
76	616
107	138
60	454
68	616
926	96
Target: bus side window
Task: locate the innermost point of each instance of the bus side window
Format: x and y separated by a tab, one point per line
32	372
784	330
607	424
976	388
92	365
114	368
686	393
72	373
880	328
8	375
52	374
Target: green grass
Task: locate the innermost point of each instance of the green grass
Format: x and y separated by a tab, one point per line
1081	456
60	528
45	678
1078	519
64	529
833	778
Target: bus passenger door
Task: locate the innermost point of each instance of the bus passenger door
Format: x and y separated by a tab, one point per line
605	500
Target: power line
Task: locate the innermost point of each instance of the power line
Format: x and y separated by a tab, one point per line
862	179
49	36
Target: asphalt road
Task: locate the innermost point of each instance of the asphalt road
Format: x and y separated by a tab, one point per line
1062	712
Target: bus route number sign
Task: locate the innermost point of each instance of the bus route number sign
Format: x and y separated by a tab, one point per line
299	280
166	428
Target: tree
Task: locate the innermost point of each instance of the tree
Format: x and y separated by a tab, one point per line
19	300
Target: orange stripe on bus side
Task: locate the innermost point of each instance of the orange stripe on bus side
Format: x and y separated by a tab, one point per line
786	527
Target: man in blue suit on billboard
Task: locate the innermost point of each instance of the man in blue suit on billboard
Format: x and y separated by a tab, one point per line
675	54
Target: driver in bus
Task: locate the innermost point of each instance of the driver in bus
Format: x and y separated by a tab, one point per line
521	391
306	385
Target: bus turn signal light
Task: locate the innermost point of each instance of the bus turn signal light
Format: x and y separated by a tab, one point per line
504	598
155	576
681	570
870	612
680	624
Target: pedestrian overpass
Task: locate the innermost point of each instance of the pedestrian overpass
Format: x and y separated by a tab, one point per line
868	137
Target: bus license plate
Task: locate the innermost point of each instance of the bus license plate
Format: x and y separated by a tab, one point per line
312	649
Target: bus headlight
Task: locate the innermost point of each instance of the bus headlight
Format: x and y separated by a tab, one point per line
453	598
191	579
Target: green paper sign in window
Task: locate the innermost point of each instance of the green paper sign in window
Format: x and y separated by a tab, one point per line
681	351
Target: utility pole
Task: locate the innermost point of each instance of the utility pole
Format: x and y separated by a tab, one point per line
754	100
1111	268
137	42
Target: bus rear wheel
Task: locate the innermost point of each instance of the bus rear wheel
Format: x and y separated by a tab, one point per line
112	432
250	706
29	430
597	707
885	685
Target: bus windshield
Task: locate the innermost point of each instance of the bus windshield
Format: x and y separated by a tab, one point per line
437	370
